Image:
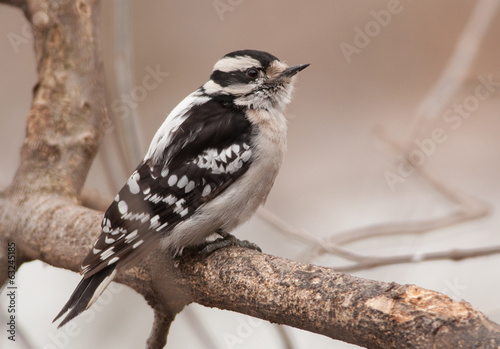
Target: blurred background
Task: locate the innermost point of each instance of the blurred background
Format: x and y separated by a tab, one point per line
419	76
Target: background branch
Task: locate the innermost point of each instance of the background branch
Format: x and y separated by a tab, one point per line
364	312
450	81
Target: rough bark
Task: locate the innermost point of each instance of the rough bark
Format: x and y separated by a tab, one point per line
42	214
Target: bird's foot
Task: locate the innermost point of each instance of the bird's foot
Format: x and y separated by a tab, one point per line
225	240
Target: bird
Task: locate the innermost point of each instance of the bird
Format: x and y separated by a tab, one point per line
208	168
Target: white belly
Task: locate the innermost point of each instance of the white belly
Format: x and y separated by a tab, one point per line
240	201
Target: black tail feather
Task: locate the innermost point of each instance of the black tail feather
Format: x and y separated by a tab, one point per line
83	295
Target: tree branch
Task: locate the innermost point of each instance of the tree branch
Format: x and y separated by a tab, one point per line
17	3
161	326
363	312
68	115
41	213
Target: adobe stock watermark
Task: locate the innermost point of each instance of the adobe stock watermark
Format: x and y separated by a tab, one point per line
25	36
424	148
39	18
363	35
453	289
124	105
61	339
223	6
245	329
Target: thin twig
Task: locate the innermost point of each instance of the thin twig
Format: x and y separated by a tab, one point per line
130	127
285	337
455	71
17	3
454	195
469	209
445	88
125	145
304	236
112	161
455	255
91	198
161	325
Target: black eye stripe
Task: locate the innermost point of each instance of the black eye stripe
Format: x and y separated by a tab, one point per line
230	78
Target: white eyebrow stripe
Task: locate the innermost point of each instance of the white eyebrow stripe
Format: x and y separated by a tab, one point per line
229	64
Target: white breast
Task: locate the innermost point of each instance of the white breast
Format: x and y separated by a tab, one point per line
240	201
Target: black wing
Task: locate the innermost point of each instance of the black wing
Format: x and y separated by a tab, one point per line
208	152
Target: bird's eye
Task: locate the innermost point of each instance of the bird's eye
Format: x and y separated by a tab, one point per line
252	73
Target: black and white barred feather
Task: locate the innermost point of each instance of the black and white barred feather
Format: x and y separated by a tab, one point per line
208	168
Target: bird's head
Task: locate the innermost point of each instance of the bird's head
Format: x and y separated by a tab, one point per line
252	79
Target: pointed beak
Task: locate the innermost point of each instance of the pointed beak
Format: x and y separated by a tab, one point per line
291	71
